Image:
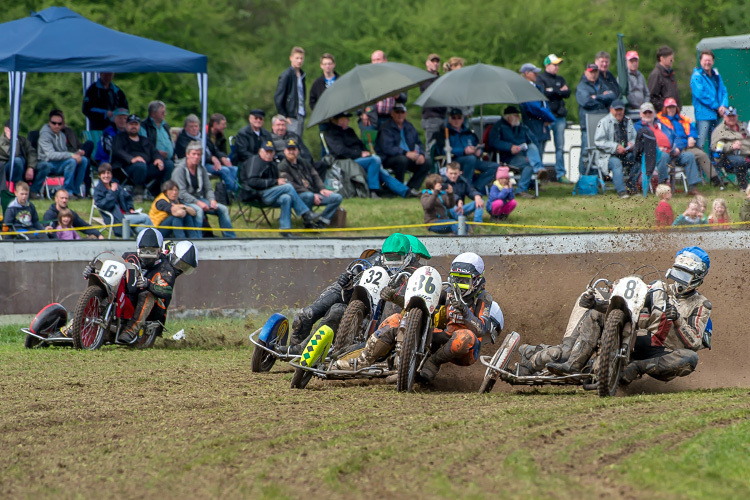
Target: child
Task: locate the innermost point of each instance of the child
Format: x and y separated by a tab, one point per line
663	213
702	204
65	221
502	201
21	214
691	217
719	214
111	197
745	208
461	188
436	202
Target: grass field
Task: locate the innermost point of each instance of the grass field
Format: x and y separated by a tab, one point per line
190	420
555	207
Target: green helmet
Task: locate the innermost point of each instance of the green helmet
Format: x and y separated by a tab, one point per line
395	248
417	247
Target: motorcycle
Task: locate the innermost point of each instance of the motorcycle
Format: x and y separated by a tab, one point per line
602	372
422	296
104	308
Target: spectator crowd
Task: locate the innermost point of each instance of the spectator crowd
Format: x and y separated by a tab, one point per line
131	158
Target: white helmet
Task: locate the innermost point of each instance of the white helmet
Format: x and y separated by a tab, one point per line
184	258
148	246
467	273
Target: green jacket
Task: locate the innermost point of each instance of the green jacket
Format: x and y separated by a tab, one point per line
24	149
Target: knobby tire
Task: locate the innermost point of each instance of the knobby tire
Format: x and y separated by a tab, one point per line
90	306
407	365
608	374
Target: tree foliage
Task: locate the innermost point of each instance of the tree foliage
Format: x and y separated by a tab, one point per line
248	42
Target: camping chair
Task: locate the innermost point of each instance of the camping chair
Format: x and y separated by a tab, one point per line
592	120
101	220
53	182
245	210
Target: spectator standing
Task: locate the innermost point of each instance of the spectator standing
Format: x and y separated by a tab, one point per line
661	82
730	140
555	88
101	100
593	97
663	213
433	118
22	215
501	201
606	77
536	114
401	149
217	124
53	150
462	189
250	137
157	130
135	155
343	143
328	65
516	146
710	97
436	203
614	141
65	228
195	189
25	166
111	197
638	92
103	152
719	213
290	92
216	162
167	211
61	203
305	180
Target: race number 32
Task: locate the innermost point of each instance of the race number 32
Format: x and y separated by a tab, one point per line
374	278
425	283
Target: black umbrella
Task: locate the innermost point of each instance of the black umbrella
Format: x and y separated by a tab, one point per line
364	85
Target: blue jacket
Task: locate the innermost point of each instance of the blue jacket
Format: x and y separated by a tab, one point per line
674	128
587	104
503	136
709	94
389	139
115	202
535	114
459	140
498	193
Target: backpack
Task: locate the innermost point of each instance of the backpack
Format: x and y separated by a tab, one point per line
588	185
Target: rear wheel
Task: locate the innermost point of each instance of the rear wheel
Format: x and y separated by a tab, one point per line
608	373
407	364
87	332
148	338
350	326
262	360
301	378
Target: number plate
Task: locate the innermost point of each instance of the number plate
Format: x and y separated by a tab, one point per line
374	280
426	284
633	290
112	272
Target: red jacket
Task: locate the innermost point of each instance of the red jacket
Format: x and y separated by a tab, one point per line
663	213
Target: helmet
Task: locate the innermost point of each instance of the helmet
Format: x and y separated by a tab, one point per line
417	247
467	273
149	244
184	258
496	317
395	247
689	269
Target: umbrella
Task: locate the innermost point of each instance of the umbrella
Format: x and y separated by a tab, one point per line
364	85
622	65
479	84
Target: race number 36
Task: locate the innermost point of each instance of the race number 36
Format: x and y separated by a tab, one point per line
426	284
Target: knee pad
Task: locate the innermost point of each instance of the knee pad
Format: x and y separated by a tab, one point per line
462	342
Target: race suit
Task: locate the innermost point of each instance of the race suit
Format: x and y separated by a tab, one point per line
151	303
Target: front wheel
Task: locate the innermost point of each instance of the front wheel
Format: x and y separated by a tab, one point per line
87	332
301	378
608	373
407	364
262	360
350	326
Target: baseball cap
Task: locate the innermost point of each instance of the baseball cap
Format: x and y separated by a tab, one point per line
731	111
399	107
120	112
433	56
552	59
133	118
291	143
631	54
258	112
592	67
670	101
529	67
268	146
455	111
647	106
511	110
617	104
342	115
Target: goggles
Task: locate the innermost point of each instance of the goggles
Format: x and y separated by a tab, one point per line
183	267
462	280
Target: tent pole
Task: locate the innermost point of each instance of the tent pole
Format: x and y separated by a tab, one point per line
203	93
16	90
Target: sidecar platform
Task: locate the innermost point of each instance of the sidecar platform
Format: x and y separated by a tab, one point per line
542	378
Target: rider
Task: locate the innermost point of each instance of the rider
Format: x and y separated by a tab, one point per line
679	324
331	304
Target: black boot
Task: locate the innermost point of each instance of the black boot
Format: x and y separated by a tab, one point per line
309	220
432	365
579	355
142	310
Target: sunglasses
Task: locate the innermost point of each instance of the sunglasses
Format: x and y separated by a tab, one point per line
435	59
647	112
55	123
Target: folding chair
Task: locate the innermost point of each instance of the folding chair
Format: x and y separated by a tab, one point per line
100	220
592	120
245	210
52	185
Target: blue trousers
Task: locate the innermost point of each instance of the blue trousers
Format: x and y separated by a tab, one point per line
376	175
470	164
285	197
469	208
331	202
72	171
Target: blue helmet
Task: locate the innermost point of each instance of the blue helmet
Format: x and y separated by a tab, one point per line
689	269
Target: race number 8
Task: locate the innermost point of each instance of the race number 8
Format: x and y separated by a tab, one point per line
429	286
630	289
110	271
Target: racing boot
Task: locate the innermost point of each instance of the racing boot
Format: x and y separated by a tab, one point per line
143	308
432	365
579	355
630	373
375	348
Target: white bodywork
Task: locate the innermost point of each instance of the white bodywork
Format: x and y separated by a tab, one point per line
374	280
427	284
112	272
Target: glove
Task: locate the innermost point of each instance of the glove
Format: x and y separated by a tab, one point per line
671	313
388	294
456	304
587	301
141	283
344	280
88	270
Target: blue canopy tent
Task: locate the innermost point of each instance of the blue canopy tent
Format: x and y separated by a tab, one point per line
57	40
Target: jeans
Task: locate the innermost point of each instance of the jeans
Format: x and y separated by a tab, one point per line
140	174
470	164
584	146
558	132
72	171
19	169
221	211
468	209
331	202
400	164
452	228
182	222
618	177
687	161
530	162
377	174
142	219
285	197
705	127
228	175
